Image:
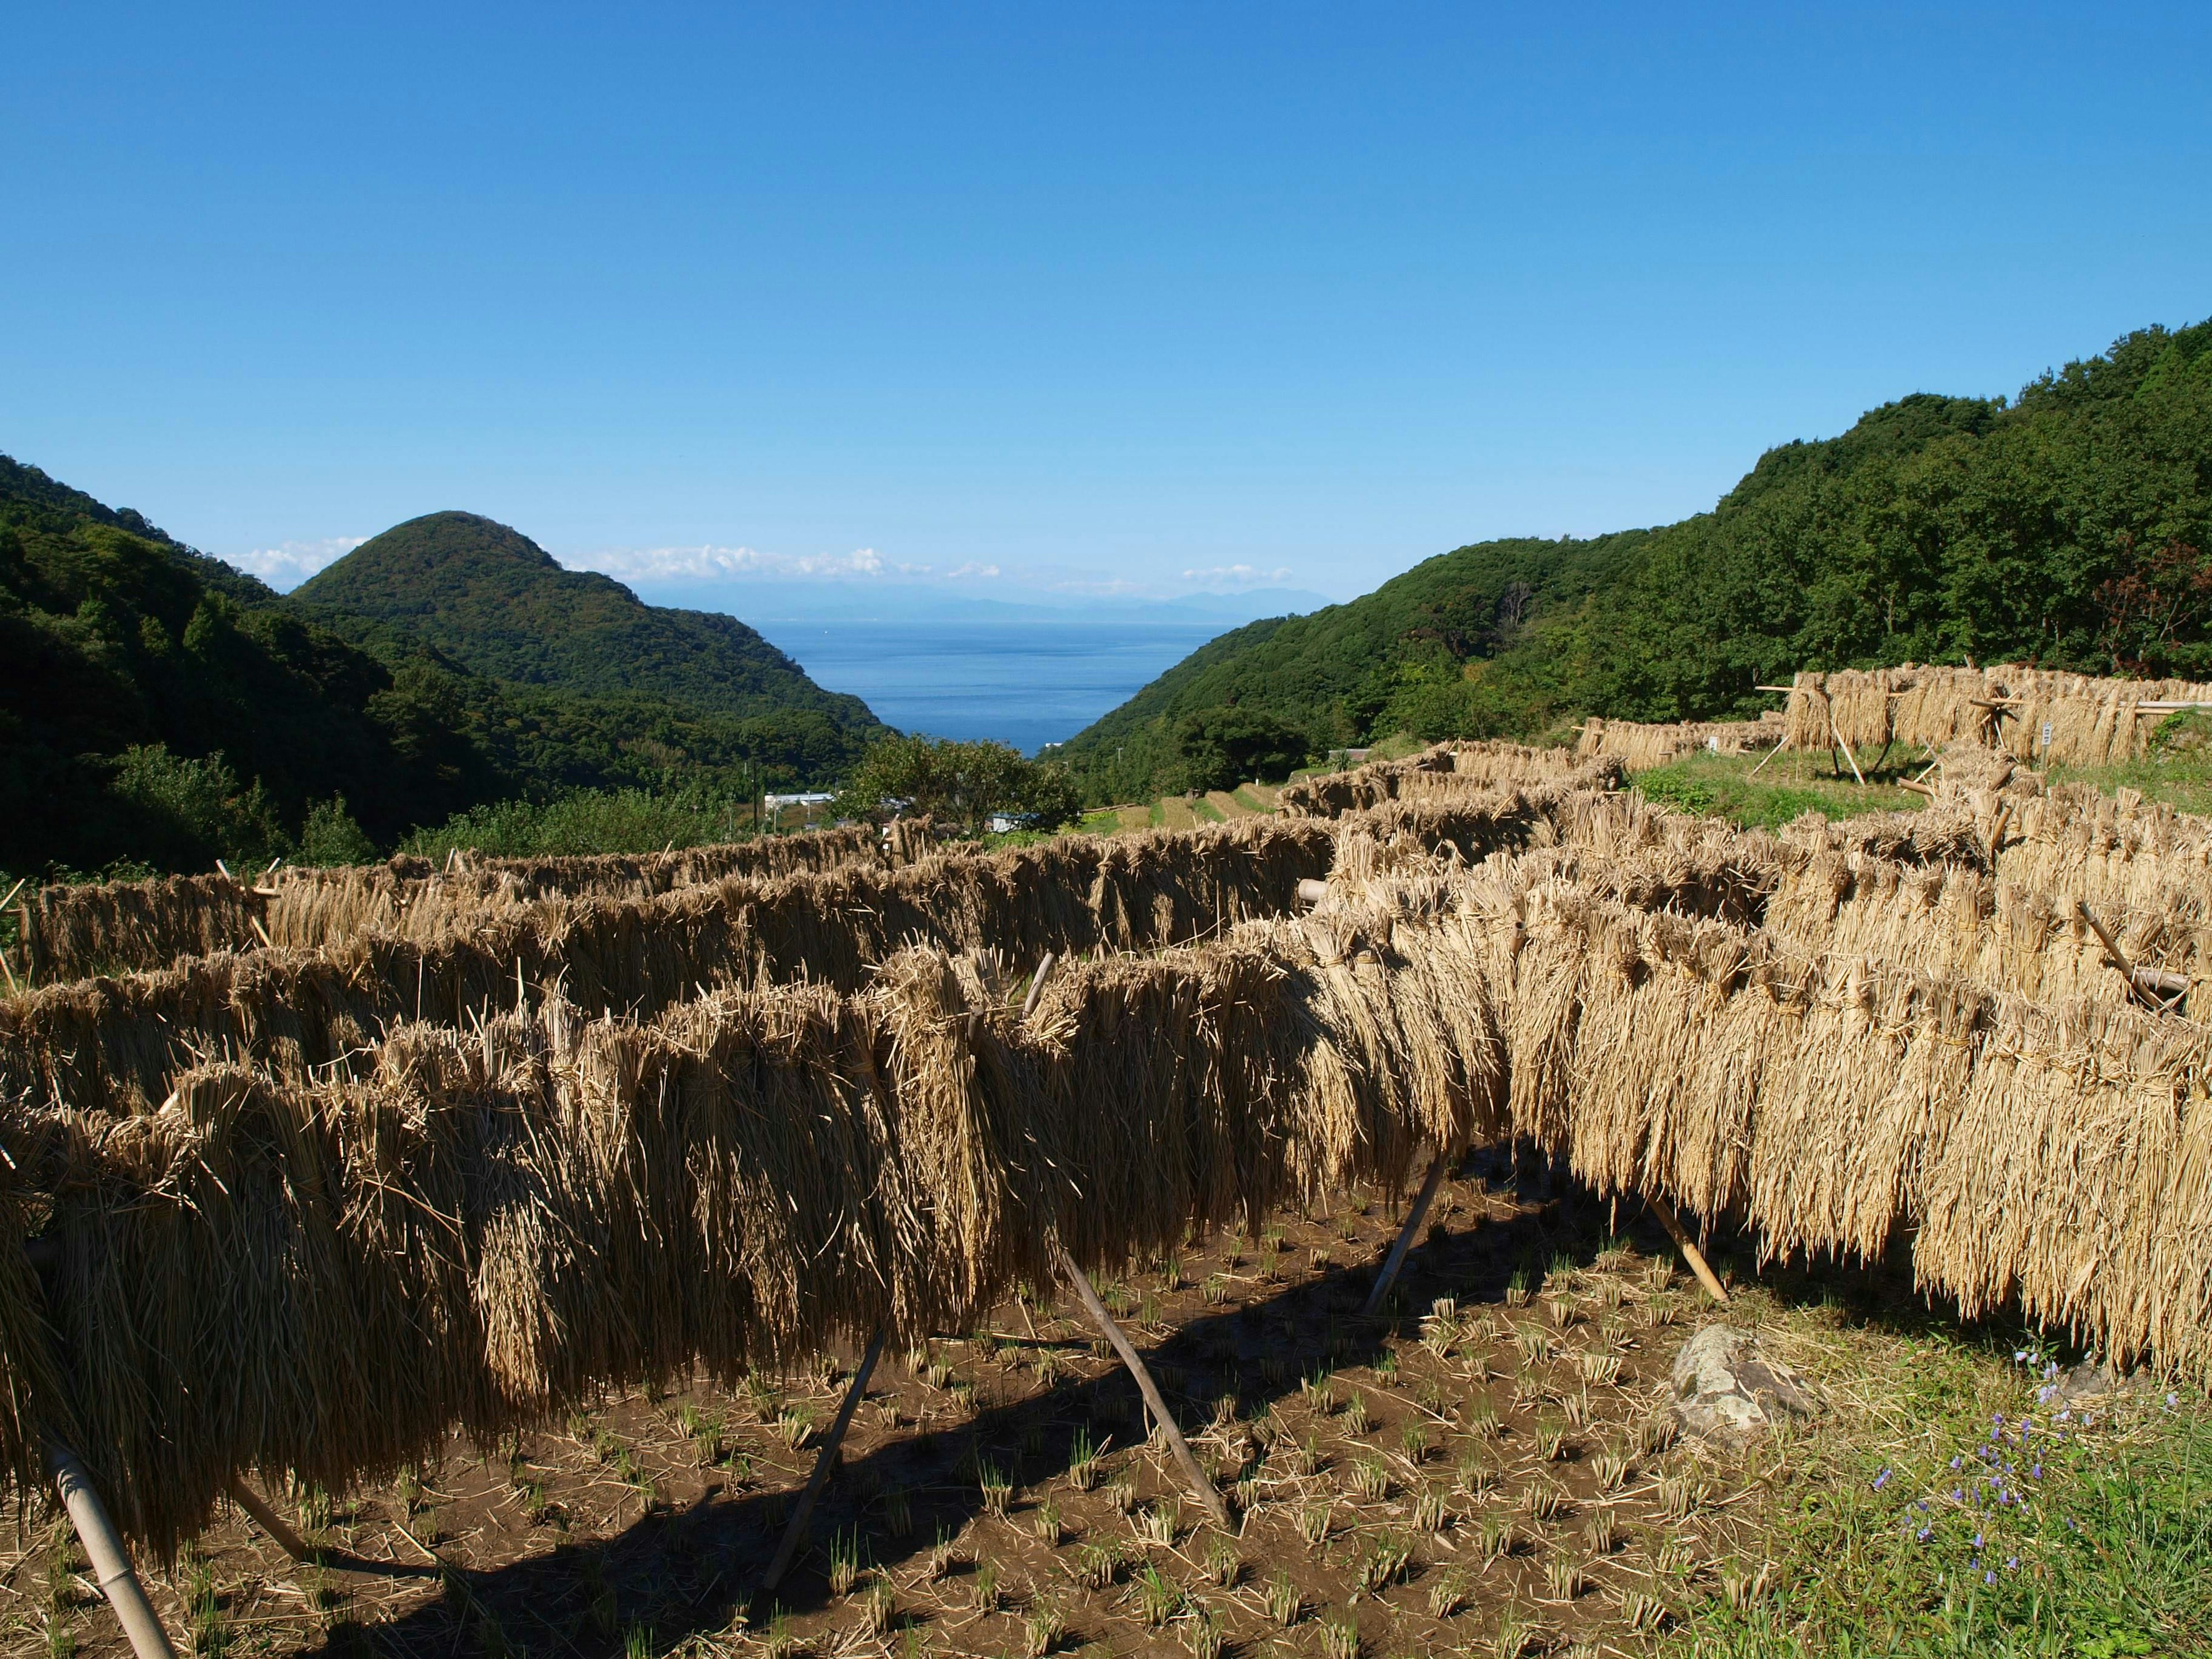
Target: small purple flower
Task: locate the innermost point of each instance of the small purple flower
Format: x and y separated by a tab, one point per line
1956	1462
1958	1494
2019	1356
2035	1472
1988	1578
1978	1541
1881	1480
2011	1563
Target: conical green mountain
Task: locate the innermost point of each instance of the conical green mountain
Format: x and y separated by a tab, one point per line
492	600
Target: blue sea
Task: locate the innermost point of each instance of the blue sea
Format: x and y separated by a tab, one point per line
1027	683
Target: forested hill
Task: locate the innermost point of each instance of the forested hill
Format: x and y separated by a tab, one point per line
2070	526
159	708
494	601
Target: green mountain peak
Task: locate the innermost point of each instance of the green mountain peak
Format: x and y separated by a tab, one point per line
488	598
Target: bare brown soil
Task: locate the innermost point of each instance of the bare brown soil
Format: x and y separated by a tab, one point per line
1485	1454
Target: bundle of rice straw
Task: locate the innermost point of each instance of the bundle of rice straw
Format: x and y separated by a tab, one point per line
1640	747
2059	1154
2031	714
79	931
480	1228
109	927
1443	772
115	1043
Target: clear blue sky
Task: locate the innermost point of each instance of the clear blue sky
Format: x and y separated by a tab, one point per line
1091	296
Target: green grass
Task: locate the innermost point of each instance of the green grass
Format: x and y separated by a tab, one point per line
1157	815
590	821
1251	802
1104	822
1790	785
1206	812
1973	1521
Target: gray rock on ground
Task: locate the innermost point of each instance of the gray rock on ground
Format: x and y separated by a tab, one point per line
1730	1387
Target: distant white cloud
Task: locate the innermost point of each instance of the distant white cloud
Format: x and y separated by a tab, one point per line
289	563
1236	575
712	564
716	564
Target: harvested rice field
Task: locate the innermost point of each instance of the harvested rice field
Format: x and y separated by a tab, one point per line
517	1229
1488	1462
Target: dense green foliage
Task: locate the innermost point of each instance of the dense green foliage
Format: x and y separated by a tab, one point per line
2069	527
494	602
961	784
159	710
586	821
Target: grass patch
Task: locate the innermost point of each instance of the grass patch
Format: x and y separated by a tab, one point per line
1156	814
1206	812
1251	803
1104	822
590	821
1790	785
1951	1506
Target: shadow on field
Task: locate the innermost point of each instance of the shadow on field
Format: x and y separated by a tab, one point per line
692	1569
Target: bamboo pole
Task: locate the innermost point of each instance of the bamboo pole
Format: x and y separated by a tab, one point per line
1848	755
1396	1259
2159	989
266	1518
1202	1488
823	1464
110	1565
1691	1252
1770	754
14	989
1036	985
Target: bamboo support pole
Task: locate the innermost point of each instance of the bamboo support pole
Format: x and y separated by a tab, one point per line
1997	830
1683	1243
1407	1234
111	1566
266	1518
1311	891
1037	984
1848	755
1770	754
5	968
2160	990
823	1464
1201	1488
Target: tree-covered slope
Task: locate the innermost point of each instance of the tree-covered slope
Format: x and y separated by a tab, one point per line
159	707
2067	526
494	601
129	656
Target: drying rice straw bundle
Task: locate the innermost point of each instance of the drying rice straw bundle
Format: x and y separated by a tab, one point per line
2091	721
116	927
1444	772
481	1226
2058	1153
1639	747
116	1043
81	930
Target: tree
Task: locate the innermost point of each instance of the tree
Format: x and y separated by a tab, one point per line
965	783
1220	748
